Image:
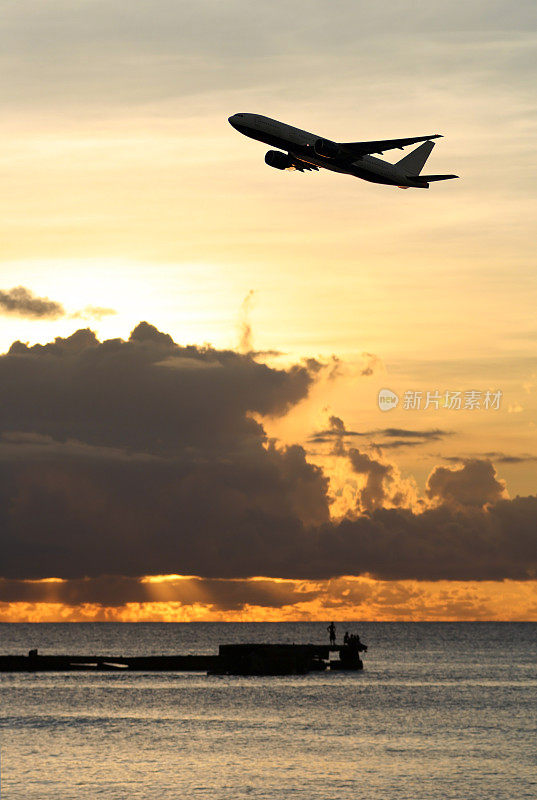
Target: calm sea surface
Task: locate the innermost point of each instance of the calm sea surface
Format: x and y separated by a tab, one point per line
441	710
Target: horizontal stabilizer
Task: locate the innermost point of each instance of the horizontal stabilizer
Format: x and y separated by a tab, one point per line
430	178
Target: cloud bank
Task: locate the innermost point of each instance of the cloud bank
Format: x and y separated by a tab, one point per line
129	458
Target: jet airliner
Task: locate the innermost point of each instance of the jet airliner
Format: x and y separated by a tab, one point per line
306	151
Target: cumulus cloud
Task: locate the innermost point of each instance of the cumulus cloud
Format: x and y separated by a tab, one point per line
464	543
140	394
129	458
473	484
384	487
381	483
96	536
378	476
123	453
24	303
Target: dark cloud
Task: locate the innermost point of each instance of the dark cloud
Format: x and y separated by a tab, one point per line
24	303
147	394
134	453
336	434
336	430
473	484
82	517
332	368
443	543
401	433
73	513
504	458
404	437
114	590
378	477
396	444
498	458
337	426
314	365
373	364
129	458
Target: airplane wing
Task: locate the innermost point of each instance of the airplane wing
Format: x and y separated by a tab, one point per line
366	148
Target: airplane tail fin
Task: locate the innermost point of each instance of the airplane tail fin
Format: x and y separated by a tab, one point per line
413	163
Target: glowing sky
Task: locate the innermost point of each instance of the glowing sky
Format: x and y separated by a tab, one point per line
127	197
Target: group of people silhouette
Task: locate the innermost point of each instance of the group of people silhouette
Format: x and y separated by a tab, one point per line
350	639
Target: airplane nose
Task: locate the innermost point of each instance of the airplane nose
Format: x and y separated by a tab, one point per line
235	120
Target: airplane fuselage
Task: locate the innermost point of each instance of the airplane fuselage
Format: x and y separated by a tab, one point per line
301	146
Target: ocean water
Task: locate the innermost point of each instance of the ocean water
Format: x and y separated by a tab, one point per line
441	710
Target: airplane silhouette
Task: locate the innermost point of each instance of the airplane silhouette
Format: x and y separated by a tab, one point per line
306	151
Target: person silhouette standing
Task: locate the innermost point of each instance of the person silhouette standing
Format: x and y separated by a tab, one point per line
332	633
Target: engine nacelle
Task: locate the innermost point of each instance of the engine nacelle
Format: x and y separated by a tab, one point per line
326	148
278	160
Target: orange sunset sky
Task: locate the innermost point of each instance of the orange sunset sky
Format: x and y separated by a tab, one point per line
189	377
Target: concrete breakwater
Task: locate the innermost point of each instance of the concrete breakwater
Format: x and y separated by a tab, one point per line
232	659
67	663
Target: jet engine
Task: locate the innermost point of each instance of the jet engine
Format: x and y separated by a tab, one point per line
326	148
278	160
